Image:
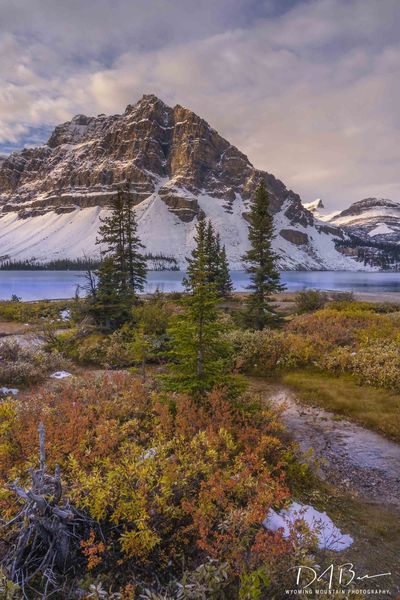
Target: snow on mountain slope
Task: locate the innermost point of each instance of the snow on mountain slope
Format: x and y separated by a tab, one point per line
381	229
73	235
176	168
376	218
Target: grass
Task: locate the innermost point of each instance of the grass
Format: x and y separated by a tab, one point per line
375	408
30	312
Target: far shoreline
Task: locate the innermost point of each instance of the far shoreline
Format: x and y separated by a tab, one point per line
280	298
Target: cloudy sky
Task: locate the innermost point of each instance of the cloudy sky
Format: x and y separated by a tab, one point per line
308	89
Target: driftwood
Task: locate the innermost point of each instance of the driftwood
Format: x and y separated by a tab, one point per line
47	533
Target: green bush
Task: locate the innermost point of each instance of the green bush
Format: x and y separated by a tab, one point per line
310	301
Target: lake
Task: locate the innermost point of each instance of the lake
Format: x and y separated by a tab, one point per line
37	285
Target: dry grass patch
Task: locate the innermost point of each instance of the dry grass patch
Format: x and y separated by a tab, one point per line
376	408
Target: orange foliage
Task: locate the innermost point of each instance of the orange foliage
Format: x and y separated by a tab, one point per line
92	550
168	479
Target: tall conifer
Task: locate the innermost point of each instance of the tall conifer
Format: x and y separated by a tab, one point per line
122	272
119	240
198	352
260	262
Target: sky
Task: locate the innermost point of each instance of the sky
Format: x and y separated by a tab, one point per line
308	89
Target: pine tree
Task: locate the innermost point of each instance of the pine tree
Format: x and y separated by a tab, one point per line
198	352
135	261
261	263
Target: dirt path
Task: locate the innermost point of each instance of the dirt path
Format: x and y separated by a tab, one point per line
350	456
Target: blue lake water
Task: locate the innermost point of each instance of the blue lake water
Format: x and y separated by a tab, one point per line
36	285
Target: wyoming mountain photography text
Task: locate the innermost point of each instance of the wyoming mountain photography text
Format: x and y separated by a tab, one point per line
199	299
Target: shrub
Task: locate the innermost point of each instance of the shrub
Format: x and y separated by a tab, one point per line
377	364
342	296
351	307
91	349
265	352
29	312
26	366
170	482
310	300
330	327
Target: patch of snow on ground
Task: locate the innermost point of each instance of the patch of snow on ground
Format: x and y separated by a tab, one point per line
6	391
60	375
329	536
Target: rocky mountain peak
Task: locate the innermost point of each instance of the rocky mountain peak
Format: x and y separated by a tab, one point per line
175	167
372	219
314	206
367	204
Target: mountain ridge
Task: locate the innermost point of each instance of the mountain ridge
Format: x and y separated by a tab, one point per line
176	167
377	218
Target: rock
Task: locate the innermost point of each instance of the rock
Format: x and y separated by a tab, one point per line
296	237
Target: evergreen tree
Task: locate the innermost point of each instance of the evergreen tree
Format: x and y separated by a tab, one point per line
223	278
217	263
198	352
135	261
109	306
261	263
122	271
111	237
119	240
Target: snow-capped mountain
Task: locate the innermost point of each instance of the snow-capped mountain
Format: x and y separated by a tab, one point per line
375	218
176	166
314	207
317	208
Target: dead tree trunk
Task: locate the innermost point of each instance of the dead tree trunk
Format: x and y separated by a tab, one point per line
47	533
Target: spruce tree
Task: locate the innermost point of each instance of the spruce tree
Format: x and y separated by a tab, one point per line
108	304
199	355
135	261
223	277
260	262
119	240
217	263
122	272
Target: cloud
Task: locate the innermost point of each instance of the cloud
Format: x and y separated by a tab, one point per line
309	91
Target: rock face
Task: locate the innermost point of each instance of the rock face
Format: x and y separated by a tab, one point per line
374	219
296	237
174	164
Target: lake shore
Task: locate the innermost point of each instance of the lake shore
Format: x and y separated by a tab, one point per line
359	296
50	285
